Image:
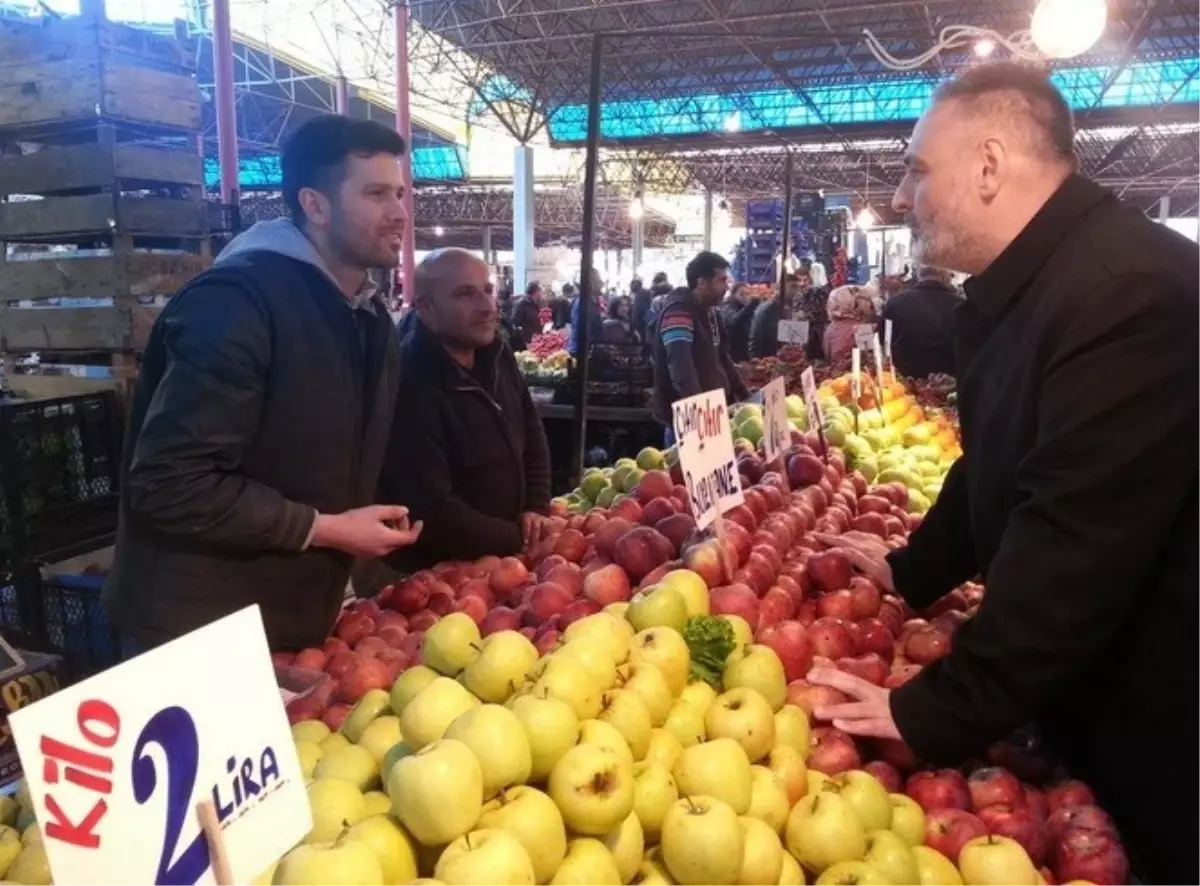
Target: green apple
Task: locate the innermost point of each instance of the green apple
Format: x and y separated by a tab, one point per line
654	790
450	644
588	861
626	842
698	694
664	749
569	680
934	869
504	660
788	766
605	629
762	853
718	768
853	873
744	716
866	796
335	804
657	606
593	787
496	737
686	723
395	753
310	754
768	798
33	868
607	736
791	875
408	685
550	726
823	829
309	730
757	667
792	729
427	717
595	660
742	635
375	703
667	651
437	793
908	819
888	853
702	841
994	861
626	712
651	687
377	803
691	587
489	855
352	764
531	817
393	847
381	735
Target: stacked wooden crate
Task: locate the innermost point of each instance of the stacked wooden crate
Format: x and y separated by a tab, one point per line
102	194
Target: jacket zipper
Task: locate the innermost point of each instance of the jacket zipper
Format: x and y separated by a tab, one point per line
512	443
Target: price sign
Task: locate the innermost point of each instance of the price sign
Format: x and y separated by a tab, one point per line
887	338
706	455
862	336
808	384
877	353
117	765
793	332
777	435
856	374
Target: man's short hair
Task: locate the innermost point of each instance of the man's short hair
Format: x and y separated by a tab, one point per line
568	290
704	267
1021	95
932	272
533	288
314	154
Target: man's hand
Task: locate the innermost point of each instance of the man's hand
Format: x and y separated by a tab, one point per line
366	532
869	715
531	524
867	554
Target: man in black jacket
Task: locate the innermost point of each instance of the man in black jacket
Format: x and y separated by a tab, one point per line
1076	495
262	411
467	453
737	311
764	327
922	318
691	348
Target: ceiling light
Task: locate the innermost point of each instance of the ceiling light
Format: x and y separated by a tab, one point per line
1067	28
984	48
439	231
866	219
733	123
636	210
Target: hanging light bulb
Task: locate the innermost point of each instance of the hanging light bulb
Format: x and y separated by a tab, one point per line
636	209
984	48
865	219
439	231
1067	28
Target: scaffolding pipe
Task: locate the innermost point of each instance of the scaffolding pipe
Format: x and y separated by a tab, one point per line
341	95
227	135
408	259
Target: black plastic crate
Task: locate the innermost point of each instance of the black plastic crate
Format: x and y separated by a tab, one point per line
60	463
76	628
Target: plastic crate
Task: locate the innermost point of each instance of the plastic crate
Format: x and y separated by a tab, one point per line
60	463
76	628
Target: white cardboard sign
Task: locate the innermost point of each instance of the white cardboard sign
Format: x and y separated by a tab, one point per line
793	332
777	428
877	353
118	764
706	455
862	335
808	384
887	338
856	374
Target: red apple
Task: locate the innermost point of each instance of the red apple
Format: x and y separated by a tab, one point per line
549	562
867	597
830	638
606	585
901	675
579	609
390	619
948	830
341	664
478	587
1095	856
1035	801
657	509
306	708
943	789
355	683
874	504
807	613
804	470
392	635
629	509
994	786
474	607
335	715
500	619
369	647
605	539
708	559
898	753
1066	818
353	626
676	528
870	522
776	606
640	550
1018	824
441	604
887	775
422	621
758	573
655	575
926	645
1070	793
567	576
789	585
836	604
812	697
546	642
829	570
310	659
547	600
735	599
833	751
332	646
412	644
654	484
739	541
869	667
790	642
872	635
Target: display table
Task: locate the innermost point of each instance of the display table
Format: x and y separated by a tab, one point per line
619	431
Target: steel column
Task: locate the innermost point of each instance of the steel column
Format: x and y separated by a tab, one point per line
408	258
341	95
785	245
227	134
708	218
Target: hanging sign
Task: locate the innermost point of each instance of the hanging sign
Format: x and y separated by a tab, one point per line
706	456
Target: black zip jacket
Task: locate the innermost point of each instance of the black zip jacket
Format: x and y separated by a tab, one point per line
467	452
738	319
1076	498
764	329
922	328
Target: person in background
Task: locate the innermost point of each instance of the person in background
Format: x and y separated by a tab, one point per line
560	306
764	328
504	302
659	290
813	305
691	345
737	311
526	318
467	449
849	307
618	326
1076	494
922	318
595	316
260	419
641	297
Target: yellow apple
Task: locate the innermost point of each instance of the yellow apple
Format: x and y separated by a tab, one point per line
393	847
667	651
742	635
485	856
377	803
588	861
702	841
341	862
686	723
396	753
664	749
652	872
531	817
310	754
33	868
744	716
790	874
657	606
789	766
380	736
605	735
595	660
817	781
792	729
450	643
626	842
496	737
504	660
768	798
437	793
564	677
333	742
408	685
908	819
762	853
993	861
718	769
757	667
427	717
309	730
888	853
375	703
617	610
626	712
852	873
934	869
550	726
823	829
691	587
611	632
698	694
866	796
10	848
649	684
335	804
593	788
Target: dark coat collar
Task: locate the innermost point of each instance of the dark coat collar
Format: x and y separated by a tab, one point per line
423	353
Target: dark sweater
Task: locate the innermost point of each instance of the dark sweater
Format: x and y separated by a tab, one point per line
922	328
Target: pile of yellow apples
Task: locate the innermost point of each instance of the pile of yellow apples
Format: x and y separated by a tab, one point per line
22	854
603	761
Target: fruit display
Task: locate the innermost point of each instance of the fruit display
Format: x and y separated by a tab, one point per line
627	702
545	359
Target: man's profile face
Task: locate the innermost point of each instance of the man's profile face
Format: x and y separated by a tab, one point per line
367	219
712	291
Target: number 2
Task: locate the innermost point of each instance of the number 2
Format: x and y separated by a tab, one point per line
173	730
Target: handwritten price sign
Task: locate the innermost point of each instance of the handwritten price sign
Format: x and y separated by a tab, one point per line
777	432
117	765
706	455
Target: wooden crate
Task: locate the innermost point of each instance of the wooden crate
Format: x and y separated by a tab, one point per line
129	276
103	165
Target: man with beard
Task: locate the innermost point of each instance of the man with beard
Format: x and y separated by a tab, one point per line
467	454
262	411
1076	495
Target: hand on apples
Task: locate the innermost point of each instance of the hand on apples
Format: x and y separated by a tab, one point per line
869	715
372	531
867	553
531	527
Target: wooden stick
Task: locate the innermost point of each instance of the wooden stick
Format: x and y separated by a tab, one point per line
215	837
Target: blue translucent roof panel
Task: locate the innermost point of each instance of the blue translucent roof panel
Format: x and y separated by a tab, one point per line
438	163
879	101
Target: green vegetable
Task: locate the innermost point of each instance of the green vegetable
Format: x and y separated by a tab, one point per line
710	641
